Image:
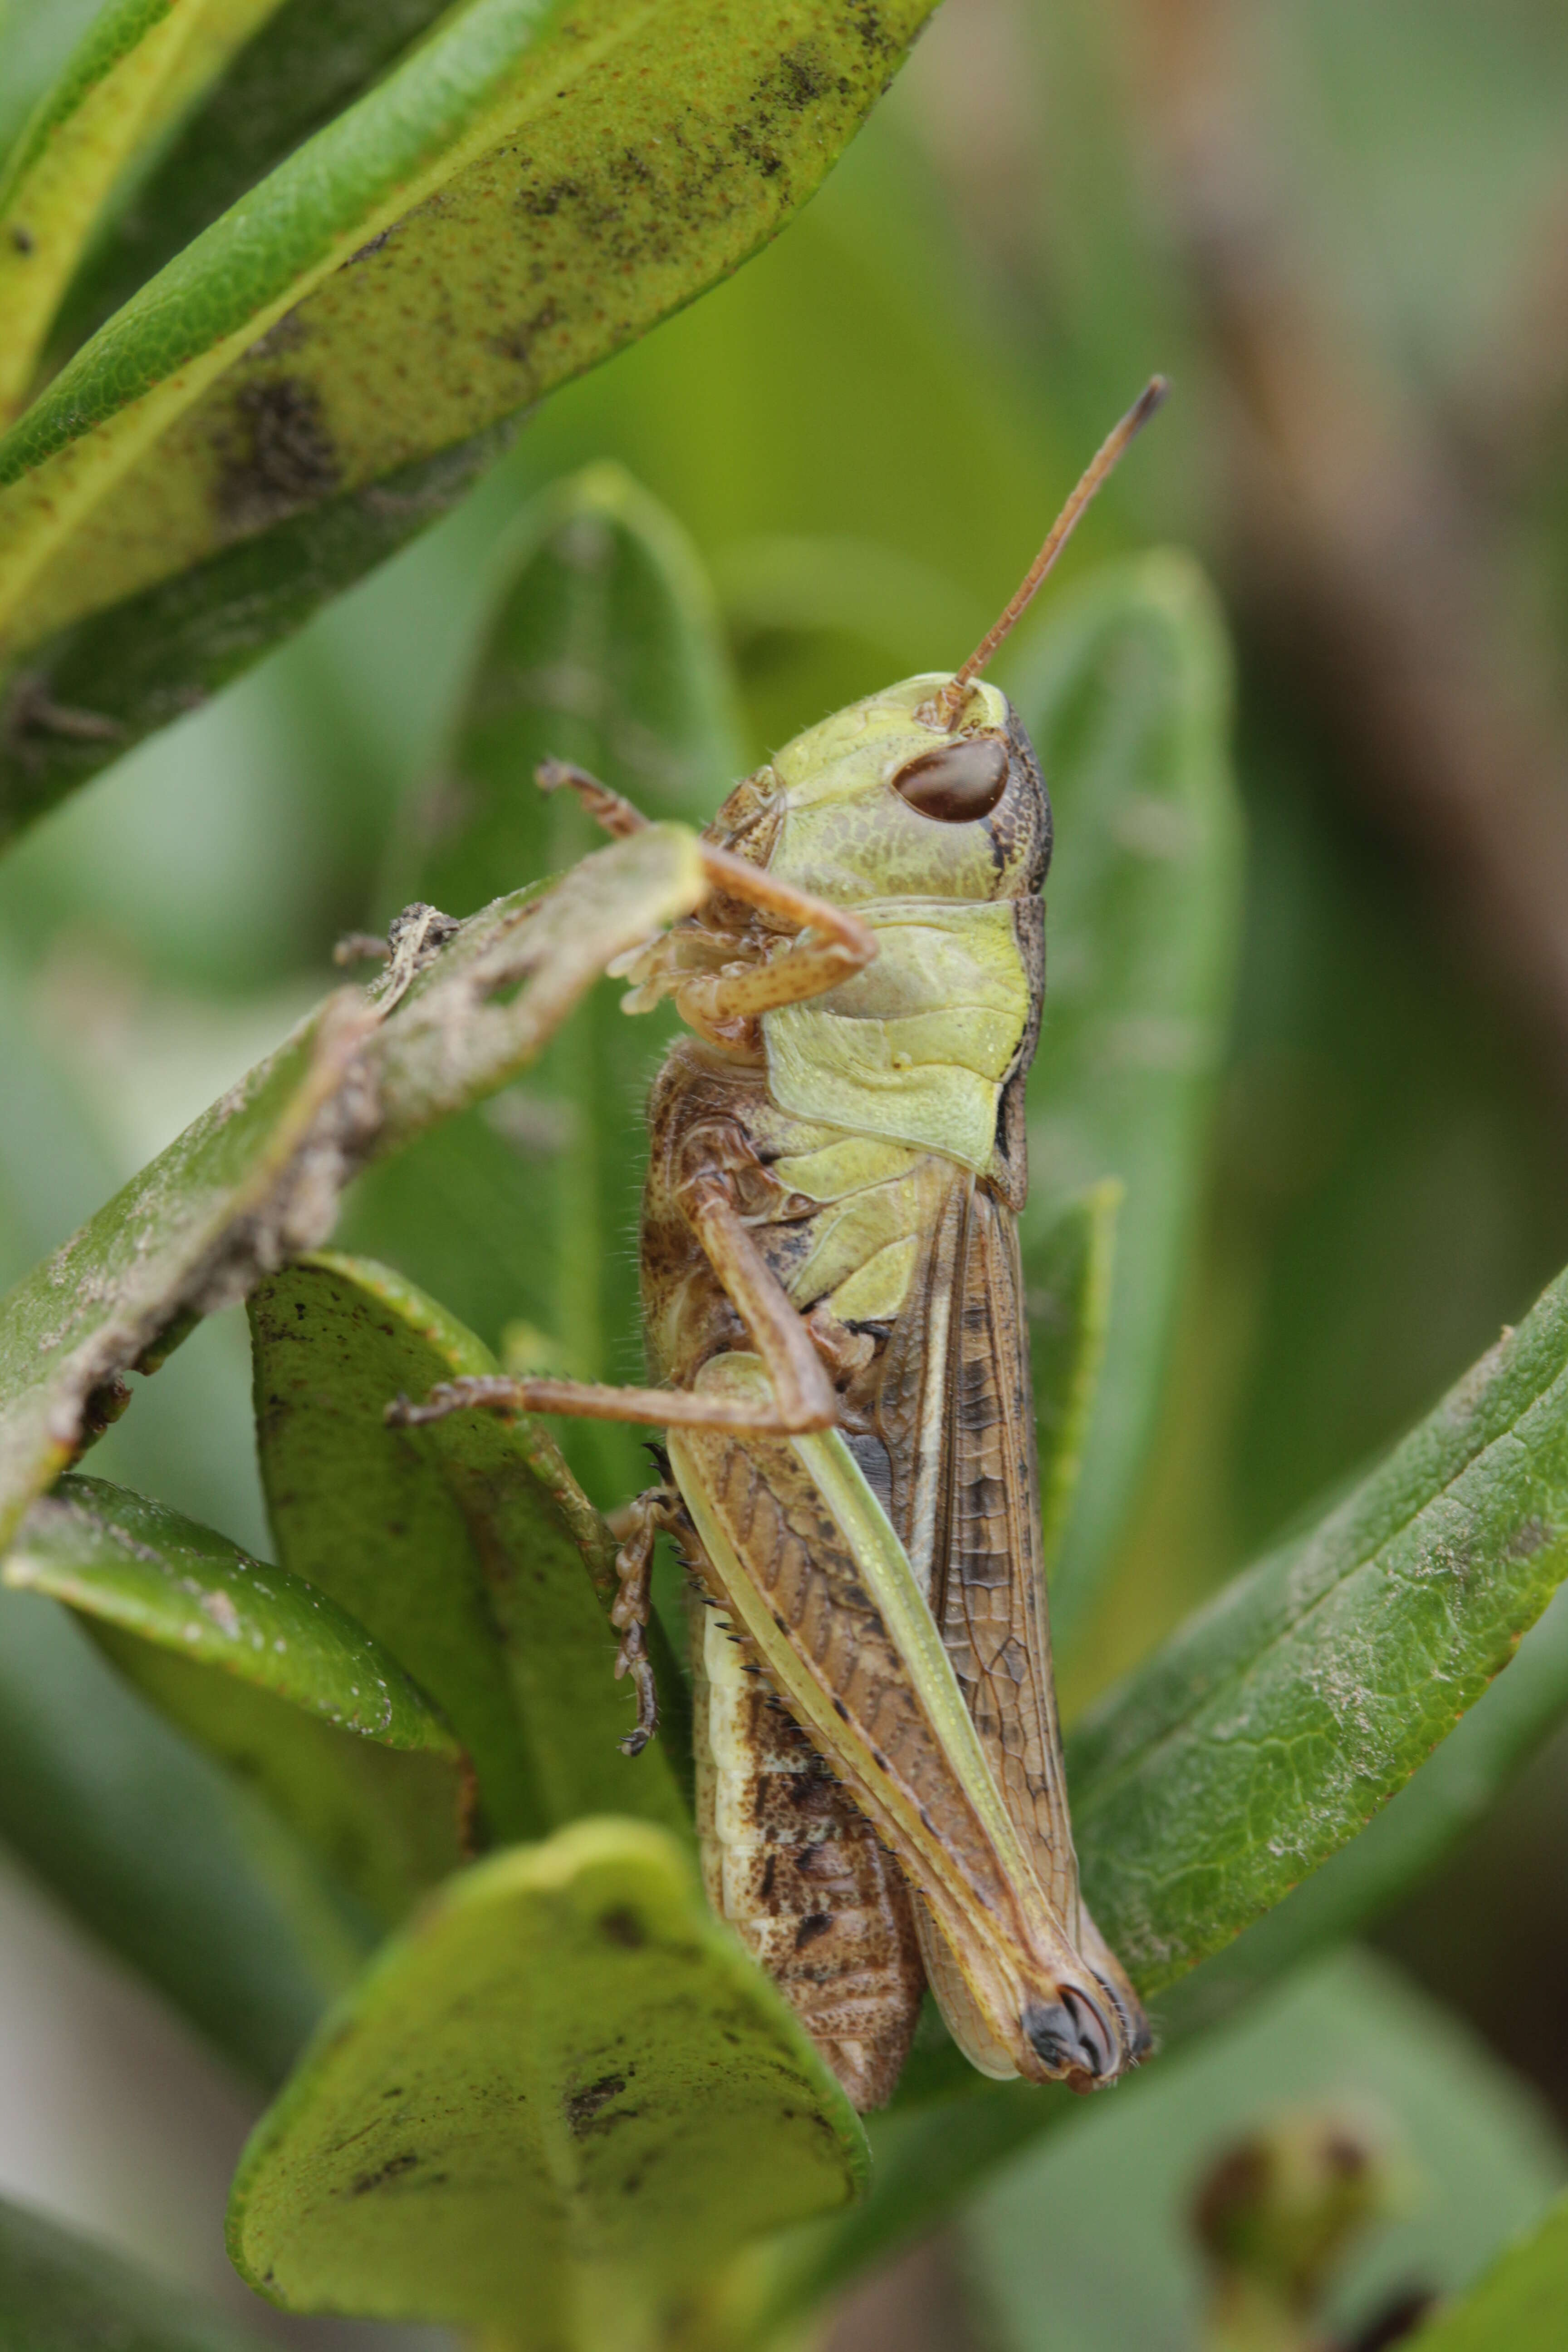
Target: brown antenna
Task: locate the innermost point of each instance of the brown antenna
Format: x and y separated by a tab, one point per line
945	706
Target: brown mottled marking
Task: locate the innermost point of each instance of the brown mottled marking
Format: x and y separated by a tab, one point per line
792	1863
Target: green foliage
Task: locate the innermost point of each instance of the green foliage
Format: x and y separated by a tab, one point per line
223	1910
383	231
133	72
1453	1790
258	1176
321	1703
387	292
560	2101
133	1564
469	1555
603	648
1519	2302
468	1546
1255	1742
1070	1268
1127	700
1466	2151
74	1324
59	2293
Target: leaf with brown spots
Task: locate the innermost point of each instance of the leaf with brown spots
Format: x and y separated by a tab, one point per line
527	190
518	2118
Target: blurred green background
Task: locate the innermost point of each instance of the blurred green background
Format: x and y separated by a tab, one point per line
1340	228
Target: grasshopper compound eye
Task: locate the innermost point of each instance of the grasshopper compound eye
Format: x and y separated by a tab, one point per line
958	783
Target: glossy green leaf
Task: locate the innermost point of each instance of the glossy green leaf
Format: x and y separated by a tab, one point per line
1268	1732
221	1908
60	2293
467	1547
320	1701
530	188
558	2102
602	648
1519	2304
257	1178
142	1568
1125	693
140	62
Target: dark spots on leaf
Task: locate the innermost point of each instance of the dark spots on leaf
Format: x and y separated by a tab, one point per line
281	456
768	1875
373	246
624	1928
23	238
814	1924
866	18
803	78
840	1710
583	2106
393	2168
543	204
1531	1536
519	343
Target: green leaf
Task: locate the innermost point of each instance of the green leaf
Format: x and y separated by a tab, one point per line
320	1701
1126	695
1070	1271
137	1565
101	686
160	1248
60	2293
257	1178
310	59
141	61
1271	1727
466	1546
221	1909
1454	1790
602	648
532	187
559	2101
1519	2302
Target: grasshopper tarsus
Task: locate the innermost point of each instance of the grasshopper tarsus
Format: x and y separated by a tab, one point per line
640	1667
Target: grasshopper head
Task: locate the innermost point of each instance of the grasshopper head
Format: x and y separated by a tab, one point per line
886	801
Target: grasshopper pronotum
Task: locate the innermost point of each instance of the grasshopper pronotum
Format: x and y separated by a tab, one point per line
835	1321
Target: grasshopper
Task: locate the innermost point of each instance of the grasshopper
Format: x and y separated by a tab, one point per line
836	1329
